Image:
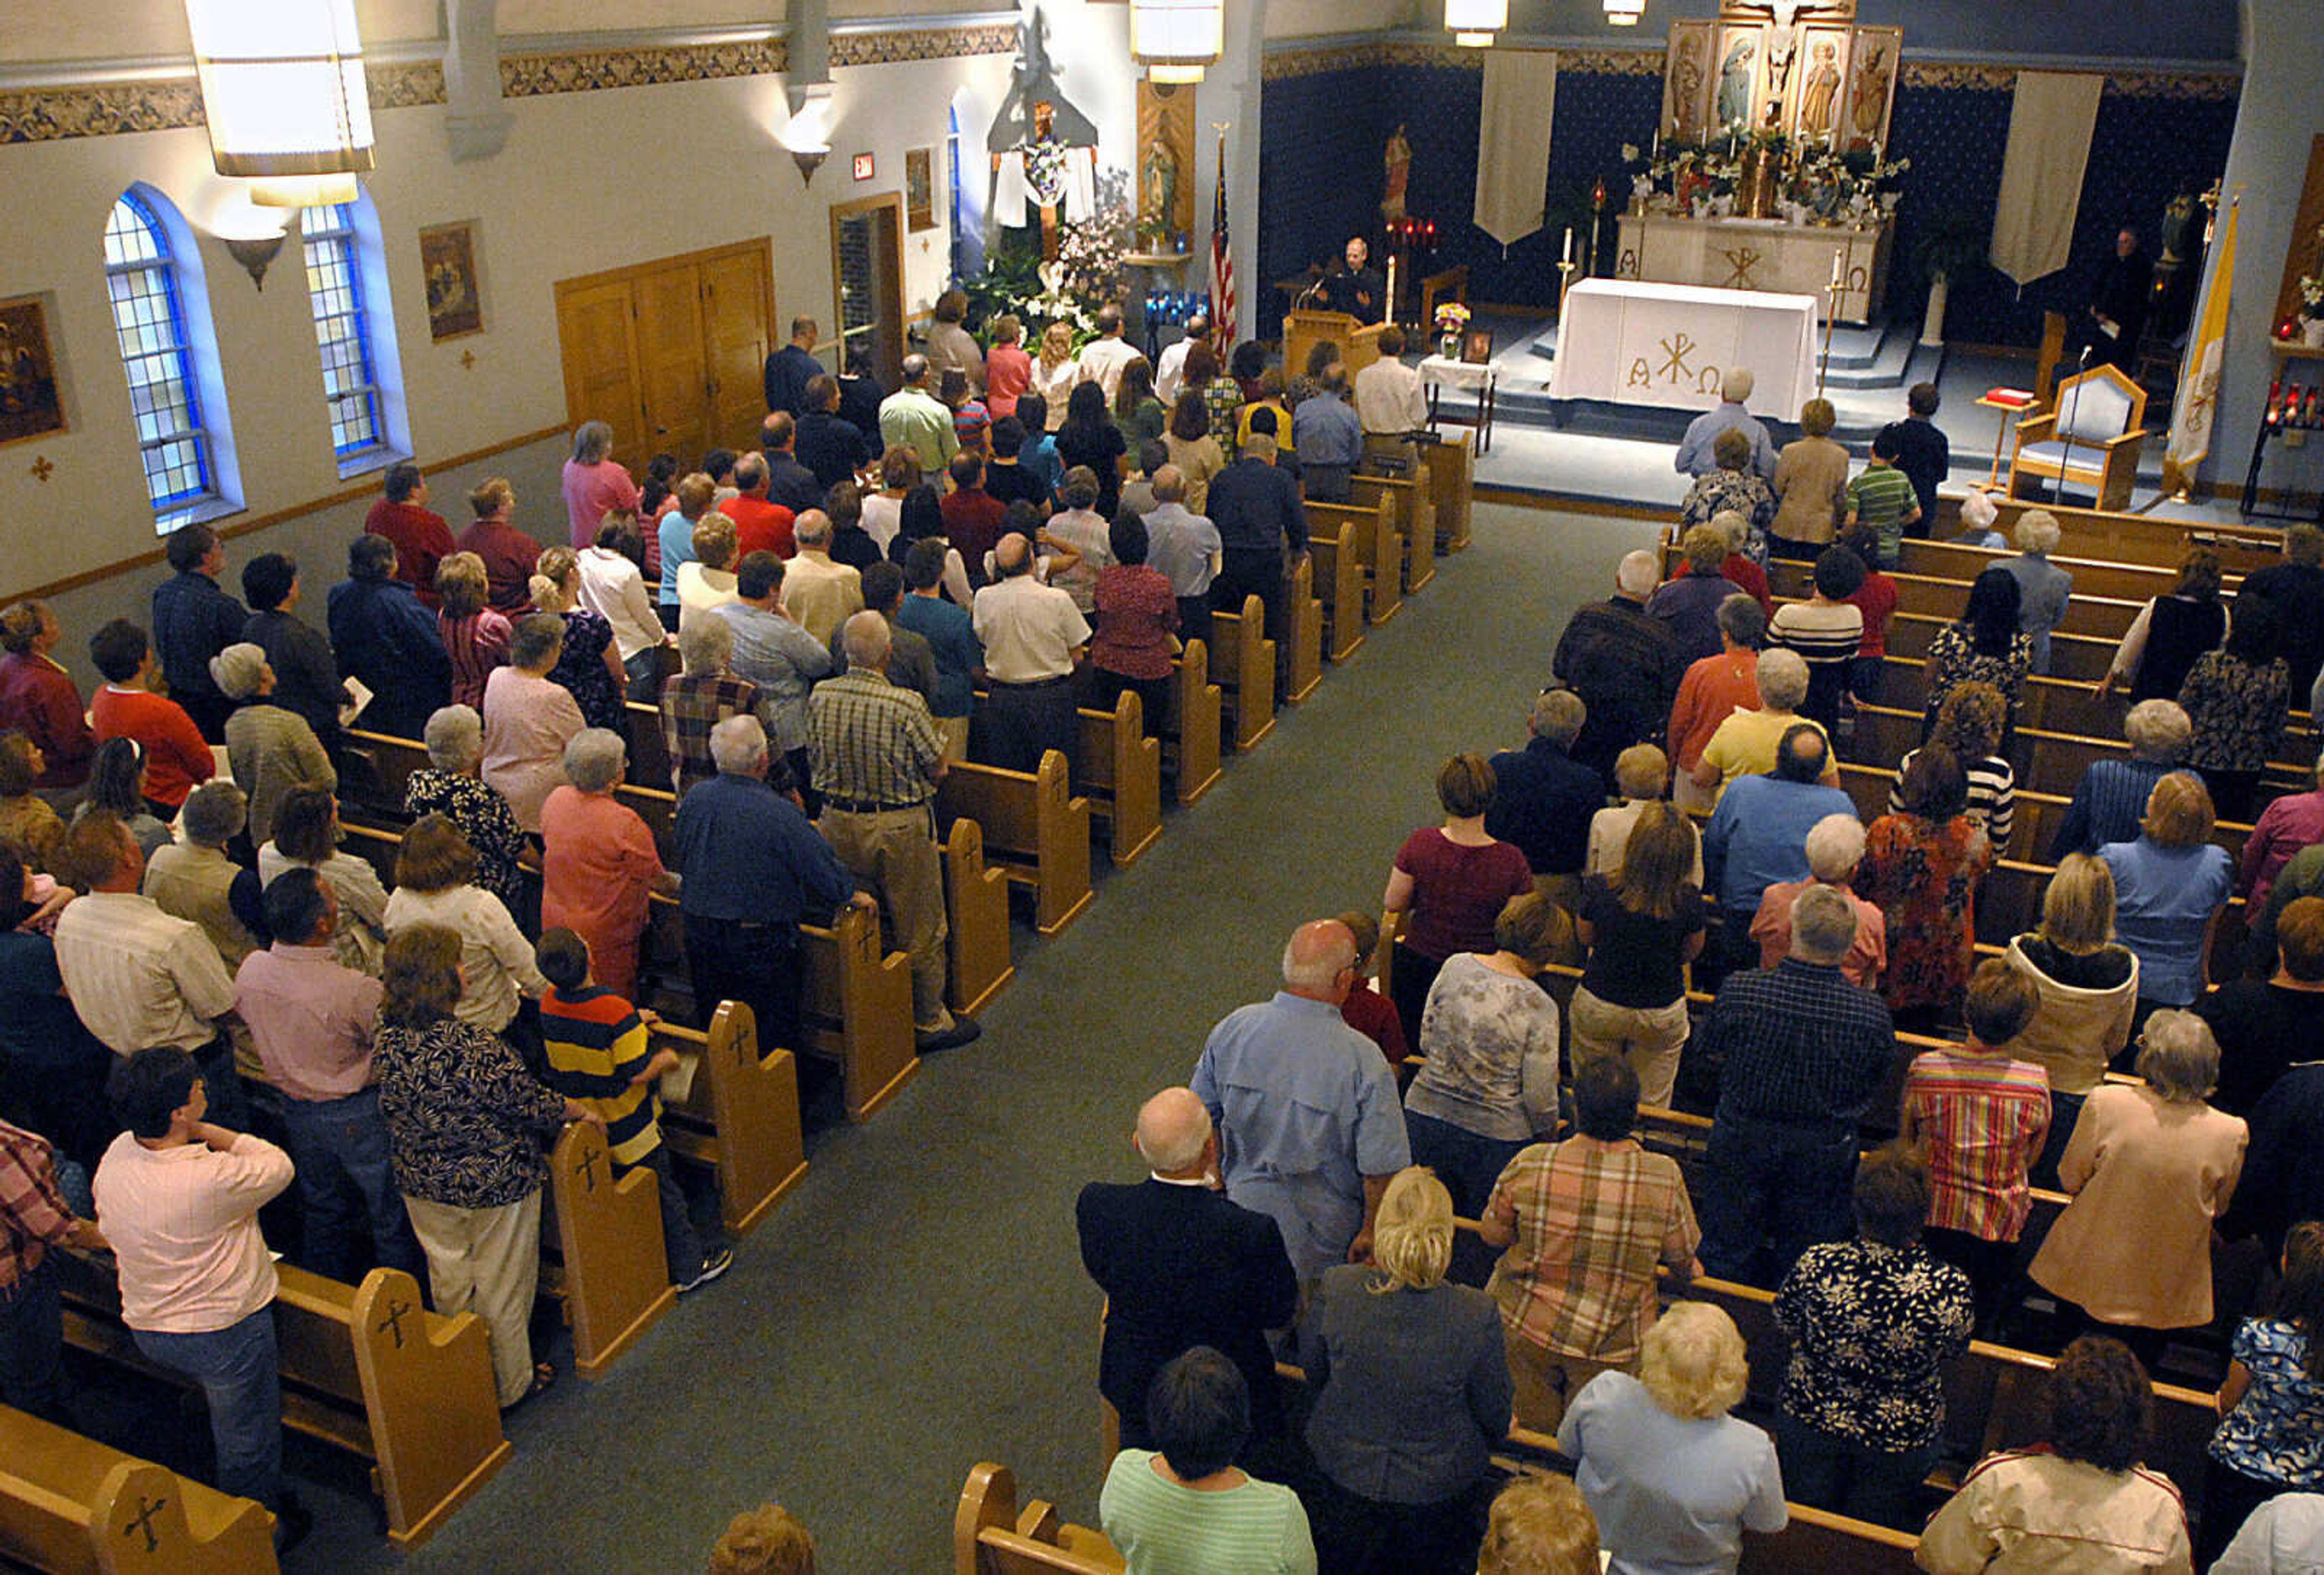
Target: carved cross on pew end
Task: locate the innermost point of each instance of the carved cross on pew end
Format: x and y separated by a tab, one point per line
142	1521
397	1311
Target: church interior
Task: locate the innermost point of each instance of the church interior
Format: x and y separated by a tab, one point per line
565	212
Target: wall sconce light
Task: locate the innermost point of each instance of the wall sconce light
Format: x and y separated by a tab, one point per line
254	252
809	160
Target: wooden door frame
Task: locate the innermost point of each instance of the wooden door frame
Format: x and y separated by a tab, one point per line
862	207
762	246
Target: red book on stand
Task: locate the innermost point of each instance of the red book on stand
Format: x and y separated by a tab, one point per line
2015	398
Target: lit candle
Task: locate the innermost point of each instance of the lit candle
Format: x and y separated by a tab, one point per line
1657	152
1568	243
1835	271
1391	290
1876	155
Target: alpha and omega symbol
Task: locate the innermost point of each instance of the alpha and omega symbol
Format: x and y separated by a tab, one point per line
1641	375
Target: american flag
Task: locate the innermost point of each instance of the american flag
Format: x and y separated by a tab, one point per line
1222	294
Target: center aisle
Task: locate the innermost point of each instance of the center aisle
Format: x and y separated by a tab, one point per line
919	1304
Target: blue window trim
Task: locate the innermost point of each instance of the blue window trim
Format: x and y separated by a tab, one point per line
164	267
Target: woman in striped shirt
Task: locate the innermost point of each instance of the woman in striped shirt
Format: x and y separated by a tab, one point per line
1979	1116
1827	631
1969	724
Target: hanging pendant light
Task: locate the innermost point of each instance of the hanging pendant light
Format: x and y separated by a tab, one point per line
1174	40
1475	23
1624	13
283	90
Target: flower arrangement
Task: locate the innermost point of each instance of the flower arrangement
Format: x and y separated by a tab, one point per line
1452	317
2311	296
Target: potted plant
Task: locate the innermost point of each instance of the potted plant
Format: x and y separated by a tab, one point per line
1952	244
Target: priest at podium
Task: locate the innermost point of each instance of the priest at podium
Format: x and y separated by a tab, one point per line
1355	287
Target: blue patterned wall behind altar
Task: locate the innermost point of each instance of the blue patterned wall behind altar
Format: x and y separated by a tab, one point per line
1320	177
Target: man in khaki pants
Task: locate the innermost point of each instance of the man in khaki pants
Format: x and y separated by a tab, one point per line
877	758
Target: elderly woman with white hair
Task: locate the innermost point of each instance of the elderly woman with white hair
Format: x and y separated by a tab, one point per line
704	694
598	863
450	785
1412	1392
529	719
2043	586
1835	847
1745	744
2110	800
1673	1480
594	485
2151	1166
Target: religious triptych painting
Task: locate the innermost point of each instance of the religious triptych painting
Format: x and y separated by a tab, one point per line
1735	93
1872	87
1687	81
1819	77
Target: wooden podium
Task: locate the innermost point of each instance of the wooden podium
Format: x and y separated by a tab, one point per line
1304	330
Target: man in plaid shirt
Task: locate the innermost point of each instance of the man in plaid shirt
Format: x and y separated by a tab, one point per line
701	697
1799	1053
33	1217
1591	1217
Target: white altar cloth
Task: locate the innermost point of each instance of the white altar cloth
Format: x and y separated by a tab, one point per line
1628	342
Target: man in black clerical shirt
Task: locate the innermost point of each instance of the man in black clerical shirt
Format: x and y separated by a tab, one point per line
1355	288
1923	453
2118	309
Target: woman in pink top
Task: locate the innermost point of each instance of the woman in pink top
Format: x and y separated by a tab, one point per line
594	485
1137	617
1451	882
599	864
474	637
1007	370
529	719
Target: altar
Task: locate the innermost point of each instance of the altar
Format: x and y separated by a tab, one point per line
1759	255
1648	343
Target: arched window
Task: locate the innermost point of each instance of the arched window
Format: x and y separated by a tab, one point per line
345	285
156	331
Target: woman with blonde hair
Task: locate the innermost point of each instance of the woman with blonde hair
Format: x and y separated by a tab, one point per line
436	884
475	636
708	581
1641	928
1810	486
2170	885
1971	723
2089	988
589	665
1673	1480
1055	371
1411	1394
1539	1526
2151	1166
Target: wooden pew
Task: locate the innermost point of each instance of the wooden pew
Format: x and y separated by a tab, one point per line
1303	664
1339	580
976	907
2053	705
1242	665
649	760
991	1537
1122	775
1414	521
1034	828
2116	537
365	1368
1816	1540
857	1001
1190	731
2081	659
1372	540
1451	469
72	1506
739	1117
613	1273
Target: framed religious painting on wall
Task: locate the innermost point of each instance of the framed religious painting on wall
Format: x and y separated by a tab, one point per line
447	262
1819	101
921	188
1686	81
30	404
1737	68
1477	345
1871	88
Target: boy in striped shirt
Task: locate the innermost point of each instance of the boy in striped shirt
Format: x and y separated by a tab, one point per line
599	1054
1883	498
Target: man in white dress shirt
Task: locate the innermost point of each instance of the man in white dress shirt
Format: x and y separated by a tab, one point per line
1033	635
1389	396
1172	373
1103	357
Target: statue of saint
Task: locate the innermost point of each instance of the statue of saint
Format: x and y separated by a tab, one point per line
1869	105
1735	83
1397	158
1685	113
1158	182
1822	86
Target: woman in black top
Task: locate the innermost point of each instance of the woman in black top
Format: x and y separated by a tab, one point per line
1090	438
2169	632
1642	928
1984	647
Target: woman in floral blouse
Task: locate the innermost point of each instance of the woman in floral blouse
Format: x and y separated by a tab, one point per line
1984	647
1872	1323
1733	485
450	786
589	667
466	1128
1921	866
2239	698
2272	1441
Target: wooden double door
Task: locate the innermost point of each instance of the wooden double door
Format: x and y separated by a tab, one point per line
672	354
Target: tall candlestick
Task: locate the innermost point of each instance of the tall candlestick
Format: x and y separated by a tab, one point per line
1835	271
1391	290
1657	152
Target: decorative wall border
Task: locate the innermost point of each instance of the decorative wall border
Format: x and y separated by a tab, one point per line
172	102
1286	61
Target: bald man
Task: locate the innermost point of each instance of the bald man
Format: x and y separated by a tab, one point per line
1625	663
1182	1265
1310	1128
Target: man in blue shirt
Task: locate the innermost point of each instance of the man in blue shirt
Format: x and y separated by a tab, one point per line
1758	834
1310	1130
1694	456
387	641
1257	511
789	369
1330	438
193	620
1544	798
753	868
952	640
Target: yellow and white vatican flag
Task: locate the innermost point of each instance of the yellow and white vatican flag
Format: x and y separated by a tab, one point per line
2198	403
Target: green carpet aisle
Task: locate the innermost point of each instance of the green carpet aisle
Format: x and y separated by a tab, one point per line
919	1304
